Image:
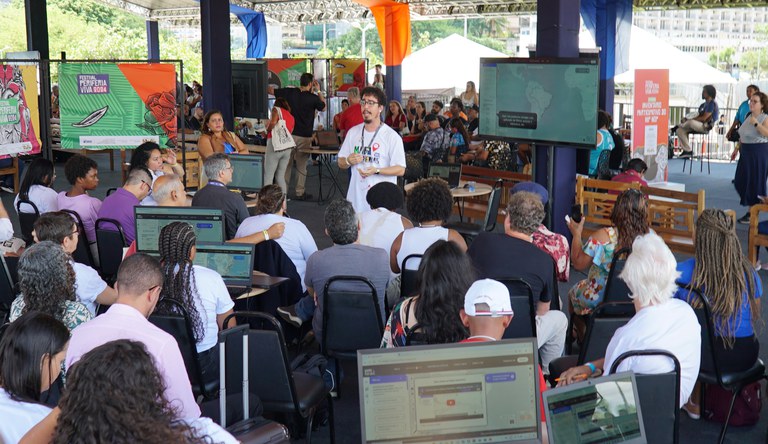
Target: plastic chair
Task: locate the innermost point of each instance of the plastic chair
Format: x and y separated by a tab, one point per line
27	220
409	277
82	252
110	244
523	324
469	230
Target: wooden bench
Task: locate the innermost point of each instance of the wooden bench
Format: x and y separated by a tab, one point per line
13	169
756	239
671	214
475	208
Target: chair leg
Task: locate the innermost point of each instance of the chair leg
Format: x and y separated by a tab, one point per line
337	382
310	420
331	420
728	417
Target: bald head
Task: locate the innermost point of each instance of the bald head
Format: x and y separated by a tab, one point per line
168	191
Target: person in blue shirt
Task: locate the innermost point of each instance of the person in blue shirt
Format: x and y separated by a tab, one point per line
735	301
702	123
741	116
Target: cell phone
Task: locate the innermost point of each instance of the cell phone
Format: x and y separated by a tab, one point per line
576	213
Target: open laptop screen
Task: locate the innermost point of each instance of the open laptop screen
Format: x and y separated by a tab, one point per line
234	262
247	172
449	172
208	224
453	393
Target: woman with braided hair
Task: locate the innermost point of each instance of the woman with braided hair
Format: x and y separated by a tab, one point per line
725	276
201	291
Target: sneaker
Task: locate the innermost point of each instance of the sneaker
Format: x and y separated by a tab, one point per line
686	155
758	266
305	196
693	410
289	315
7	189
744	219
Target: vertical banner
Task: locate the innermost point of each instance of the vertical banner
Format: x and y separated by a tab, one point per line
107	105
650	121
19	112
347	73
286	72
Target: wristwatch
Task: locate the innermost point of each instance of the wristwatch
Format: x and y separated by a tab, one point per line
378	171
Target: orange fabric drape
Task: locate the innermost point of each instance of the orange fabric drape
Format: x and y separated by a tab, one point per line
393	21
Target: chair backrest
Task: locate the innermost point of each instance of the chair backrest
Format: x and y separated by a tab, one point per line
601	326
112	190
409	277
82	252
493	205
351	319
709	358
179	326
27	220
110	243
7	290
616	290
523	323
659	397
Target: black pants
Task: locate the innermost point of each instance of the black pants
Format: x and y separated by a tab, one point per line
739	358
209	363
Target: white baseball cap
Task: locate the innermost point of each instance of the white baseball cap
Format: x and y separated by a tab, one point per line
493	293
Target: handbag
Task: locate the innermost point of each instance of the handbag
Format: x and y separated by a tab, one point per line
746	408
281	137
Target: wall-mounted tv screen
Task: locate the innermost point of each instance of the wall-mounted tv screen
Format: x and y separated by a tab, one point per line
542	100
249	89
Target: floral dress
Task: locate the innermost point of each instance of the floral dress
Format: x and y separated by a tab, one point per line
399	324
75	313
586	294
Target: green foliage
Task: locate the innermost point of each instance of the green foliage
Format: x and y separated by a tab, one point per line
722	59
750	60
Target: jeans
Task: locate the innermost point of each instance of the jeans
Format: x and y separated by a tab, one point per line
305	308
276	165
550	334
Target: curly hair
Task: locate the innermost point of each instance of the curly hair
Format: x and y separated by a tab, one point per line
142	154
270	199
136	409
176	242
46	279
630	217
372	91
430	199
385	195
525	212
77	167
445	273
341	222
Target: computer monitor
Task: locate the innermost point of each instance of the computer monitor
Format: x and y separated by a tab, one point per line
454	393
248	172
208	224
234	262
449	172
605	409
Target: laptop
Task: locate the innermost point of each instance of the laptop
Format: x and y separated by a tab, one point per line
247	172
598	410
234	262
208	224
451	393
449	172
327	140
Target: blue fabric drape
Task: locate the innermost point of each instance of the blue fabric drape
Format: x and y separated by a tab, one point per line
256	26
610	22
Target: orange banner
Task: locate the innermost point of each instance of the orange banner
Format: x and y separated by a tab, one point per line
393	21
650	121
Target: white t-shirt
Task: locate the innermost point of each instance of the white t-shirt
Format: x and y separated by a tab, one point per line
416	241
213	299
385	151
297	242
18	417
43	197
6	229
670	326
379	228
89	285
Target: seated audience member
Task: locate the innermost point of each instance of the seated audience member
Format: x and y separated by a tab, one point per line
434	145
459	144
47	285
139	283
456	110
6	226
216	194
437	109
90	288
660	321
31	352
149	156
513	254
337	117
555	245
119	205
296	241
429	204
473	124
83	174
200	290
732	288
634	172
630	219
381	225
445	273
395	117
36	187
347	257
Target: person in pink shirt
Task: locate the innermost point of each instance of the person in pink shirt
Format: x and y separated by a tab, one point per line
632	174
83	174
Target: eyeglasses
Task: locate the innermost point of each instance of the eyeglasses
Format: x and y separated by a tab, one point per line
149	185
369	102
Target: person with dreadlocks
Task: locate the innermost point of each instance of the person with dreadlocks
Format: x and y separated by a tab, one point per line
733	289
201	291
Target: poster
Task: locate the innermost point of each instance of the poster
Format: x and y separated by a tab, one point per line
19	112
650	121
346	73
107	105
286	72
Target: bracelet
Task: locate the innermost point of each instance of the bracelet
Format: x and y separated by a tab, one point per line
592	367
266	238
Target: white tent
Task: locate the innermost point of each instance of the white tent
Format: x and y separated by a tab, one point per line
646	51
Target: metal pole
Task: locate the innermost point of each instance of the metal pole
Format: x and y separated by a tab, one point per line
323	35
363	29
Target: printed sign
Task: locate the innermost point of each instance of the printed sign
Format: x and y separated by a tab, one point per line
650	122
19	113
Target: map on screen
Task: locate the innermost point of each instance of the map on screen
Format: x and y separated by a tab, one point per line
234	262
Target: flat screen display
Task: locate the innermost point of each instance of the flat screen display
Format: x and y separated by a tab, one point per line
208	224
247	172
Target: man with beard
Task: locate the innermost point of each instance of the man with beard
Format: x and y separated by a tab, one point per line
373	150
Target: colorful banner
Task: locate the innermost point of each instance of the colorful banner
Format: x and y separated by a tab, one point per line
19	112
106	105
286	72
650	122
346	73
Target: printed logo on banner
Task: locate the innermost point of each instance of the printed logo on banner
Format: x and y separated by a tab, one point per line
93	84
9	111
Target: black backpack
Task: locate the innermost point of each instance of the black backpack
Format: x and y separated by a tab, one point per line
618	157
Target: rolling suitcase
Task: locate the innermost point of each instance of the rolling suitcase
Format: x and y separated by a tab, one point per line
250	430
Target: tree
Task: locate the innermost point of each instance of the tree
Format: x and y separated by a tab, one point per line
722	59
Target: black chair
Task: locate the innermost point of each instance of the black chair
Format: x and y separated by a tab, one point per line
12	266
7	291
27	220
111	190
710	372
280	389
351	319
523	324
409	278
469	230
82	252
616	290
180	327
659	397
110	244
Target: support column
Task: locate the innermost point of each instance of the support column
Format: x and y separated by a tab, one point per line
153	41
36	16
393	82
217	63
555	167
605	38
